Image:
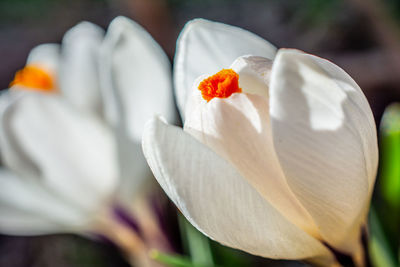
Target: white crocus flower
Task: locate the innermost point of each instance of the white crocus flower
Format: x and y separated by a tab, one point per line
278	154
71	123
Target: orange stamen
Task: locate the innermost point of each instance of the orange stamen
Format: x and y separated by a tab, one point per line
34	78
222	84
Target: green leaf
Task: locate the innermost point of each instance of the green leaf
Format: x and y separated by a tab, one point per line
226	256
378	246
171	260
196	244
390	155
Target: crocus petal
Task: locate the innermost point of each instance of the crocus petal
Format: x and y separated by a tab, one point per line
206	47
29	209
46	56
136	80
136	76
46	140
325	138
218	201
79	77
238	129
254	74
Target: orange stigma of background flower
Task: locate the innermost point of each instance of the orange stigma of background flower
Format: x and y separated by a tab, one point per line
32	77
222	84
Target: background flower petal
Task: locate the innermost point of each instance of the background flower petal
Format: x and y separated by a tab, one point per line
27	208
47	141
136	82
78	76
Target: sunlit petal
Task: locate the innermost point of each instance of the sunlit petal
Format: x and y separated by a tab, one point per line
216	199
46	56
205	47
254	74
238	129
325	138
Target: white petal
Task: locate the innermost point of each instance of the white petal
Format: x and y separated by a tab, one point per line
218	201
254	74
325	138
72	154
134	171
46	56
27	208
79	77
206	47
136	77
238	129
136	80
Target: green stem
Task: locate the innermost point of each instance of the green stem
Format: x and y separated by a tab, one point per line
197	245
170	260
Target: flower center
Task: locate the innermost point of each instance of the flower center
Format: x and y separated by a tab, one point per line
222	84
33	77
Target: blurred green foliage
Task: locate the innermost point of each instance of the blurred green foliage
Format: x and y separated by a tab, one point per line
312	11
171	260
320	11
390	156
183	2
195	244
394	7
380	252
201	251
17	10
14	10
385	216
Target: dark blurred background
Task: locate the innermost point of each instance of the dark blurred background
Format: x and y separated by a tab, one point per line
361	36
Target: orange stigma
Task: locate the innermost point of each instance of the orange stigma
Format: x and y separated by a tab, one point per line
222	84
33	77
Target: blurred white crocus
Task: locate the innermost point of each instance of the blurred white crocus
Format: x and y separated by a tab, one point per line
71	123
278	154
